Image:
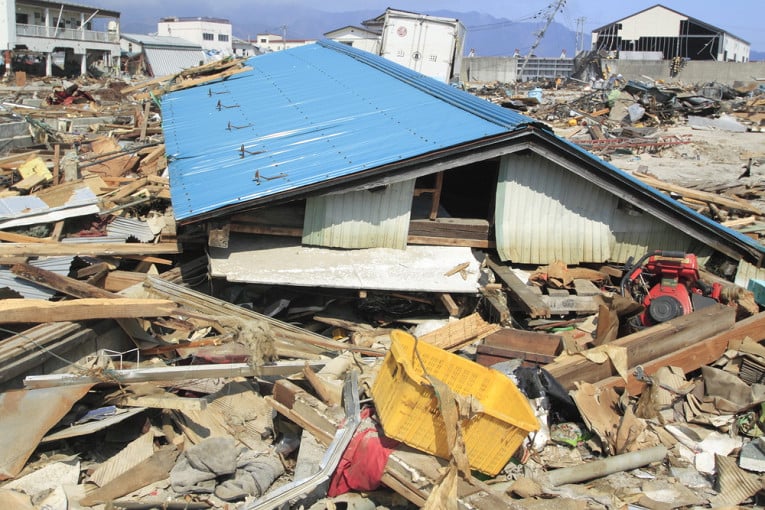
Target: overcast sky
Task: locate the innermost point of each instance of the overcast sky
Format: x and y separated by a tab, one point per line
742	18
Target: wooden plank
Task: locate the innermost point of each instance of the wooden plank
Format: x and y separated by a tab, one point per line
450	241
10	237
450	227
32	311
451	306
252	228
129	189
519	292
91	249
693	356
646	345
498	305
570	303
169	401
703	196
458	333
585	287
117	280
436	202
57	282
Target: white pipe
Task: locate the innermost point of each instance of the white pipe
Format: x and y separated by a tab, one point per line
607	466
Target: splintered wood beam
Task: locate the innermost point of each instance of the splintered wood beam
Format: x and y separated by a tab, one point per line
646	345
39	310
59	283
520	292
499	307
693	356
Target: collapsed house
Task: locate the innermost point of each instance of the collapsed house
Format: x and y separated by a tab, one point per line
323	168
328	157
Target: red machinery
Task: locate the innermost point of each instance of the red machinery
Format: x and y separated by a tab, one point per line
668	285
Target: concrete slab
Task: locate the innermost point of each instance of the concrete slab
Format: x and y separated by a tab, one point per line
284	261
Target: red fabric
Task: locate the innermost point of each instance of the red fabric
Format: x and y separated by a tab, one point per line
362	465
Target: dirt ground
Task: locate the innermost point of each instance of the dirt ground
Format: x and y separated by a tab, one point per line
711	158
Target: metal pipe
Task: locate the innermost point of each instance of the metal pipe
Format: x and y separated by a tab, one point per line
603	467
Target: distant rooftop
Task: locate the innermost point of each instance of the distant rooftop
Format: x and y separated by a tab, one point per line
171	19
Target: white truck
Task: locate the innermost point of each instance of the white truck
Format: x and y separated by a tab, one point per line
428	44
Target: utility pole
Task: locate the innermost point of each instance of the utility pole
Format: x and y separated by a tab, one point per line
550	15
284	37
580	34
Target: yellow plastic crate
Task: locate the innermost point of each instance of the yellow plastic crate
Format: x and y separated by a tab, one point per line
408	408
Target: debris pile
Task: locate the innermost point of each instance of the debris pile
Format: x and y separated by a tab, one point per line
134	378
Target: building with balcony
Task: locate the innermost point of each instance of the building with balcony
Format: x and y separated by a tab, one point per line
214	35
41	37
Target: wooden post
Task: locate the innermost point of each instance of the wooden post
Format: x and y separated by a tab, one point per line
145	120
56	162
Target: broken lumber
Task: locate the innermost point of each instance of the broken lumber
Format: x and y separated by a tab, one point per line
703	196
693	356
459	333
91	249
59	283
181	373
646	345
39	310
519	292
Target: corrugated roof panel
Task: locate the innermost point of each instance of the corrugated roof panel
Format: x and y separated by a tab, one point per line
165	61
306	115
126	228
360	219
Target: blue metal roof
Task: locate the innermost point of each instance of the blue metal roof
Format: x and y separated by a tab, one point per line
307	115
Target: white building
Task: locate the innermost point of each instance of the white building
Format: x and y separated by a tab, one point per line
214	35
357	37
155	55
38	33
243	48
662	33
275	42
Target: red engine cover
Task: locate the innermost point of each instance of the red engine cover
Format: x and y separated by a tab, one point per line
670	297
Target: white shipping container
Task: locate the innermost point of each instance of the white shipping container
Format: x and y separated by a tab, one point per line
430	45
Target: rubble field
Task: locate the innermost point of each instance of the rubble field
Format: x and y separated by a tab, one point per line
131	378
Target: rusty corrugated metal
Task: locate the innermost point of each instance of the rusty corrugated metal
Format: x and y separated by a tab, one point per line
545	213
25	417
360	219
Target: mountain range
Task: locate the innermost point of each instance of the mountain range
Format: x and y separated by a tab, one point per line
486	34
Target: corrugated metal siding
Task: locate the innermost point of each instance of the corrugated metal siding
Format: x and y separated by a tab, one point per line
545	213
164	61
130	227
360	219
307	115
